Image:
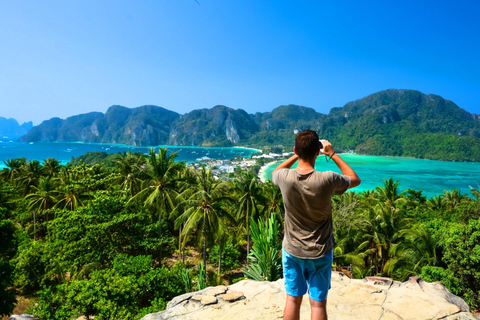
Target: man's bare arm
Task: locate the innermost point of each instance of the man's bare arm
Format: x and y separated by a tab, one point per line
287	163
342	165
346	170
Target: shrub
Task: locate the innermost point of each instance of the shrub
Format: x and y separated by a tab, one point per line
230	257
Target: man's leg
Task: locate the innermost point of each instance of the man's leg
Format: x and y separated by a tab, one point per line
292	308
319	309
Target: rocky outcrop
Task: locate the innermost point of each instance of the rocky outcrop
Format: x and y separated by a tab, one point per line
23	317
370	298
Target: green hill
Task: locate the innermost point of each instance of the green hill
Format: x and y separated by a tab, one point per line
391	122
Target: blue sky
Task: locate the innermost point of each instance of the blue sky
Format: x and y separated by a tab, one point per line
61	58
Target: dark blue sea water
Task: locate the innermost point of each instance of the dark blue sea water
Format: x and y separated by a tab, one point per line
64	151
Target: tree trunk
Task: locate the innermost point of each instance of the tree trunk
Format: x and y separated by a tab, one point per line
205	255
219	258
248	242
180	242
34	227
160	233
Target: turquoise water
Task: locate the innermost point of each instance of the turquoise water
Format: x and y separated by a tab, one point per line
64	151
433	177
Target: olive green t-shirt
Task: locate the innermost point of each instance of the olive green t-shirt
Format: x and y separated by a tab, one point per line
308	210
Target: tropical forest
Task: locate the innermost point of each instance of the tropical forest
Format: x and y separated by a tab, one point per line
120	238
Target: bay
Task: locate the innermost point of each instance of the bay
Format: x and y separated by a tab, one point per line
64	151
431	176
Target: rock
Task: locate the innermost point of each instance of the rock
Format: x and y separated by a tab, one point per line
232	296
22	317
370	298
213	291
204	299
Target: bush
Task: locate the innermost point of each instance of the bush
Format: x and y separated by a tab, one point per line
31	266
432	274
127	290
230	257
462	256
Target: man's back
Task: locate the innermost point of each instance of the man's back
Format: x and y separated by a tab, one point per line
308	210
307	253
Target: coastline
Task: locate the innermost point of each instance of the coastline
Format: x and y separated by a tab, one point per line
254	149
64	151
262	170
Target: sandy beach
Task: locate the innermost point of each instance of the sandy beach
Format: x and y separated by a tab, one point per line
258	150
262	170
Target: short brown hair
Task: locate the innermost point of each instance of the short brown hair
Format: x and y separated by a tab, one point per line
307	144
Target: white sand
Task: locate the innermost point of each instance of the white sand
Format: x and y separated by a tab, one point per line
262	169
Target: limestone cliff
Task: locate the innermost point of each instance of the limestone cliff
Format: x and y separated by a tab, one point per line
218	126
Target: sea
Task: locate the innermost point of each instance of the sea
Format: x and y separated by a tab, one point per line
431	176
64	151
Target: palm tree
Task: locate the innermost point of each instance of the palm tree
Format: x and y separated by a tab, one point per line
436	203
51	167
273	201
159	189
452	199
389	193
12	170
70	198
129	172
369	198
381	226
42	198
249	194
203	209
186	178
29	176
415	249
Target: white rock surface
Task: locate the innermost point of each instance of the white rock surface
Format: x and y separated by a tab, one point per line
22	317
370	298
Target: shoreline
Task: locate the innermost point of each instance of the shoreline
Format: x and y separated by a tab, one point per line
254	149
262	170
138	147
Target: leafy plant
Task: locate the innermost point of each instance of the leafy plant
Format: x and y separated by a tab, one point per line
202	277
266	262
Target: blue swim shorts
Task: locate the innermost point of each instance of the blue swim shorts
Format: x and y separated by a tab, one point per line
299	272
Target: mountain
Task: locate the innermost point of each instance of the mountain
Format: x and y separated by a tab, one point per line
404	123
391	122
142	126
10	127
219	126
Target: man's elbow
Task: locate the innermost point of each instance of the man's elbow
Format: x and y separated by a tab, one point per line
355	182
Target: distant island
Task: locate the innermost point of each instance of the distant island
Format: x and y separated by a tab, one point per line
11	128
391	122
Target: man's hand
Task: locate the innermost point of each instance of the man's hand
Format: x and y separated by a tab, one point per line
342	165
327	148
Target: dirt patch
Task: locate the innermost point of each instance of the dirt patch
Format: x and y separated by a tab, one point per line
22	304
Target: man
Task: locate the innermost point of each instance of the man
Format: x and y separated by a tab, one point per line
308	241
